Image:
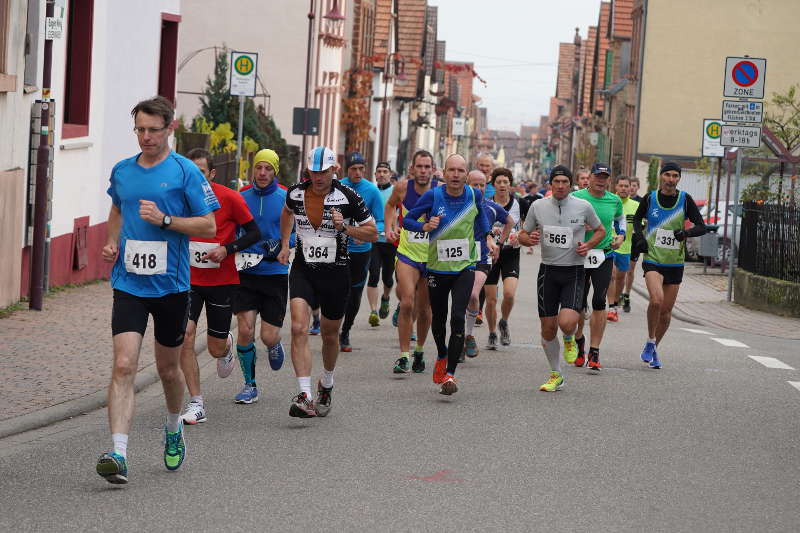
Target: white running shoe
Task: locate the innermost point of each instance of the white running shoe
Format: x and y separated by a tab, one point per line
225	364
194	413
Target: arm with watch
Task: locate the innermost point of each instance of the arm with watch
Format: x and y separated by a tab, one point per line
204	226
251	236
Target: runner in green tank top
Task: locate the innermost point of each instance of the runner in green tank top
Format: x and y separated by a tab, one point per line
622	255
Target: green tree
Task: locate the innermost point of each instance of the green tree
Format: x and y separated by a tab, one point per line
652	173
216	102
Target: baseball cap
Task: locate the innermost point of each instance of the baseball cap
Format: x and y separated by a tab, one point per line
354	158
560	170
601	168
321	158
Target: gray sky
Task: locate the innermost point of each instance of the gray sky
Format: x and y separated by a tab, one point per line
514	45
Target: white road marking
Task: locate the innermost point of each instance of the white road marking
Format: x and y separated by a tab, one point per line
795	384
730	342
770	362
698	331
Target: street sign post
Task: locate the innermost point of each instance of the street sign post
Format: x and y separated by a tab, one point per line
712	129
742	136
242	83
742	111
744	77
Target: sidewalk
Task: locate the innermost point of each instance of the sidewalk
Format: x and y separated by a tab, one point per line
702	300
56	363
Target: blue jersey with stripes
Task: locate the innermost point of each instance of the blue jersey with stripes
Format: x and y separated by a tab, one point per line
495	213
371	195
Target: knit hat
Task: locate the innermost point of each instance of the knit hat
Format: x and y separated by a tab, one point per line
270	157
560	170
670	165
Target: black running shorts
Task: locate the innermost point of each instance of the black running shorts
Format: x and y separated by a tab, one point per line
170	313
673	275
599	278
381	264
559	287
263	293
507	265
218	301
326	288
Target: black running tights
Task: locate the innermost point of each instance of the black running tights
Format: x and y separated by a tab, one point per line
441	287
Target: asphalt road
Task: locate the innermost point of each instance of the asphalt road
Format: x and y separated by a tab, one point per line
708	443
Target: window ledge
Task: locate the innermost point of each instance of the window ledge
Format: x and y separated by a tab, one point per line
76	145
8	83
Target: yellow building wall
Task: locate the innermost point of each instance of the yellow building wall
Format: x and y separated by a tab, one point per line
686	43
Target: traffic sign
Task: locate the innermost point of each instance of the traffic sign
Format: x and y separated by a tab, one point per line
244	66
744	77
743	136
459	126
742	111
712	129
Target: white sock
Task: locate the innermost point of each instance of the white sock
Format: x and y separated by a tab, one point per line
173	422
120	443
196	399
471	316
305	386
327	378
653	340
552	349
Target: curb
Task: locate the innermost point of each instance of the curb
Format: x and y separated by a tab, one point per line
85	404
680	315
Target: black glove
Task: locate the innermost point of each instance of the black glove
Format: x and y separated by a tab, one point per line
638	244
680	235
272	247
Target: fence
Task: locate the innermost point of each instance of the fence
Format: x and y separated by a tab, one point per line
770	241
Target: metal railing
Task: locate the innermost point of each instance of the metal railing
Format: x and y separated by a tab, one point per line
770	241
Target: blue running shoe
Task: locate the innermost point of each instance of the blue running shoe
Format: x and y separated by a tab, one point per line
396	315
648	352
248	395
413	337
314	330
174	448
655	363
113	468
276	356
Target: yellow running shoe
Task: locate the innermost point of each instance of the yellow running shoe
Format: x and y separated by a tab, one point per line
553	384
570	349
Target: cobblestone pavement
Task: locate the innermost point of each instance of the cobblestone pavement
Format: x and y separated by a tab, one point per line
61	353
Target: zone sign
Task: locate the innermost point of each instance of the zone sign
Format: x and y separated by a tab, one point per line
744	77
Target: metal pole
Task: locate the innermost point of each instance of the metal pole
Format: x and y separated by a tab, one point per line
725	218
40	215
716	199
235	181
734	248
308	79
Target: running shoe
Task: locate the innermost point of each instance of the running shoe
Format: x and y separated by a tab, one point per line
383	312
571	351
470	346
174	448
225	364
655	362
648	352
418	364
461	356
505	335
302	407
556	382
626	303
395	315
276	355
344	342
323	403
373	319
613	316
440	370
479	319
449	386
314	329
594	363
113	468
401	366
248	395
194	413
580	360
491	344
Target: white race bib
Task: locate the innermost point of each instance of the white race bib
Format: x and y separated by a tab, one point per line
453	249
594	258
666	239
146	258
247	260
197	254
418	237
557	236
319	249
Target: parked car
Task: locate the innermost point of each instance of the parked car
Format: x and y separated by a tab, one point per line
716	217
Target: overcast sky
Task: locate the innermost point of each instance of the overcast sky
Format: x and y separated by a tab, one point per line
514	45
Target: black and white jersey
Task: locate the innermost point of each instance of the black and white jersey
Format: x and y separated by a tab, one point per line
324	247
517	209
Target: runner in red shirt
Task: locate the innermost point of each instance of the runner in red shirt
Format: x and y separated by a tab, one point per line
214	280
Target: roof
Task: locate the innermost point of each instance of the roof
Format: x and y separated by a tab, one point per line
431	23
621	21
411	33
588	72
566	63
383	17
603	43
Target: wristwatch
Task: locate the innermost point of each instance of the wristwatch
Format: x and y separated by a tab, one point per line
166	221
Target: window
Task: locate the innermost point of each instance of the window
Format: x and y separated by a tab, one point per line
168	56
32	44
79	68
7	82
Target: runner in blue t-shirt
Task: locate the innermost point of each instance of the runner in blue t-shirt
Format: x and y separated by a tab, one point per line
381	262
159	199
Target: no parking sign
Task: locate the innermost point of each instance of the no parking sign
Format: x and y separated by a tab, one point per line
744	77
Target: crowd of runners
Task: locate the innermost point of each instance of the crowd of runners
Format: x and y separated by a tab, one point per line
444	241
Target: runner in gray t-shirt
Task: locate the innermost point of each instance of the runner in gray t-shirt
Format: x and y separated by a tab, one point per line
559	224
